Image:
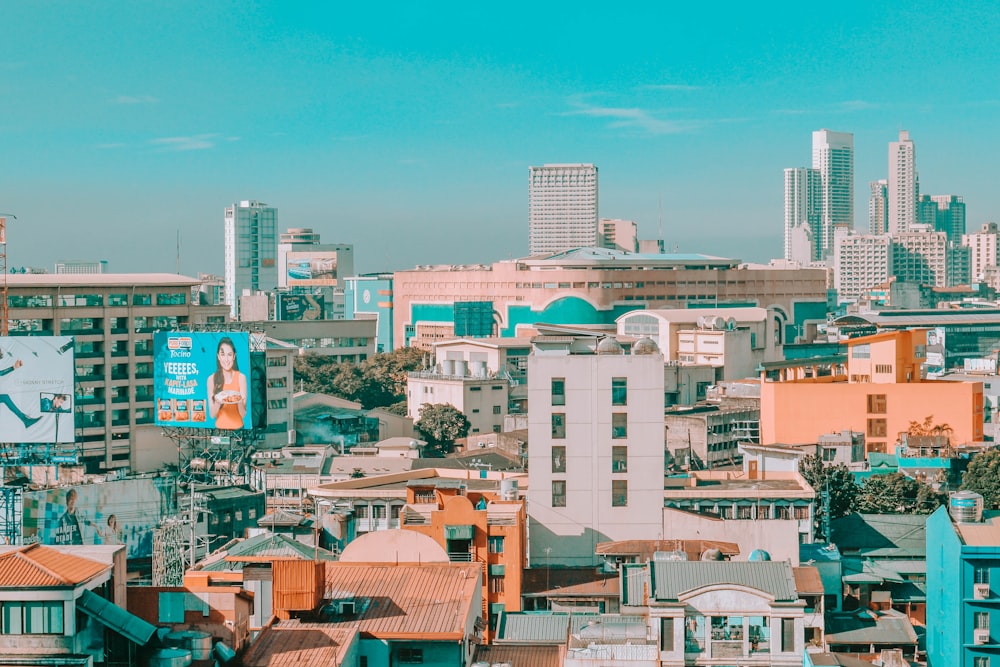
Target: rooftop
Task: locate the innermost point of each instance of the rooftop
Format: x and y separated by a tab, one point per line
36	566
985	534
870	627
522	656
100	280
736	484
672	579
645	549
300	644
881	535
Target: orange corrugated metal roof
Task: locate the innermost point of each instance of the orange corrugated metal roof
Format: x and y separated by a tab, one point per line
300	645
522	656
395	601
807	580
36	566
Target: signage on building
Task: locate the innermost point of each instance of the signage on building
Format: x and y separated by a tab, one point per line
317	267
36	389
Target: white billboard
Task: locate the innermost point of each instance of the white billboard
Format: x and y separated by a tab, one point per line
36	389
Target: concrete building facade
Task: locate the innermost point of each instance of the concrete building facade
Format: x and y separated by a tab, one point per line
878	207
251	246
902	185
984	250
562	207
833	159
803	214
861	262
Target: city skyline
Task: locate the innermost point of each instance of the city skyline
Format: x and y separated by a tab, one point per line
139	124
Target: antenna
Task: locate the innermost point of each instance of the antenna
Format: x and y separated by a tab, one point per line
660	206
178	252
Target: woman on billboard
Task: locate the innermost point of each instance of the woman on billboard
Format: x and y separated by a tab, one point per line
227	389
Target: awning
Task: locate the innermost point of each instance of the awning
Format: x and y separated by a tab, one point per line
115	618
458	532
496	570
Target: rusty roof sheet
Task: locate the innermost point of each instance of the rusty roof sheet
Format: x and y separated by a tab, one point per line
36	566
522	656
807	580
300	645
398	601
609	586
645	549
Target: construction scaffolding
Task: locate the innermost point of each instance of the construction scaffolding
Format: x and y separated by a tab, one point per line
169	550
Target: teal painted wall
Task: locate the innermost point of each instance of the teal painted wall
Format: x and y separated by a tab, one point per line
944	592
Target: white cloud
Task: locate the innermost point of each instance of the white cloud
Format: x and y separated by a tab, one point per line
634	118
197	142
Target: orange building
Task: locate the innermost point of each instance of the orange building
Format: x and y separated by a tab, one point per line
475	527
876	388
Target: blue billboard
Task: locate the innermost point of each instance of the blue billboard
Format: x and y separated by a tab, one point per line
202	380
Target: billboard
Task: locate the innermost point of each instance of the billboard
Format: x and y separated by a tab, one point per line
116	512
297	307
935	352
36	389
318	267
202	379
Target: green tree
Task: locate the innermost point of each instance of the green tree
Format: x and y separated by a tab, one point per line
898	494
441	424
835	480
983	477
379	381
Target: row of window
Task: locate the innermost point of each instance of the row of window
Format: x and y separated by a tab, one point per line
619	458
82	300
619	425
619	493
619	391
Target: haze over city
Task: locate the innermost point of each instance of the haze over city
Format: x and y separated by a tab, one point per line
408	132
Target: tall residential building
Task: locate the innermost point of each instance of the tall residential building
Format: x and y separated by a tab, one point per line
562	207
251	250
619	234
950	217
803	216
833	158
921	257
595	465
984	249
861	262
878	207
902	185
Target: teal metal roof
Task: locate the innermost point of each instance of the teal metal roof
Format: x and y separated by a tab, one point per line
546	628
115	618
672	579
266	546
881	535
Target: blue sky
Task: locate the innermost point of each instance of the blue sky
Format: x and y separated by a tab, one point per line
408	130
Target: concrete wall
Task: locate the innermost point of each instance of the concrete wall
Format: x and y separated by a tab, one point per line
779	537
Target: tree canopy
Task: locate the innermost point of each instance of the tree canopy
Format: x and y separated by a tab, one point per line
379	381
983	477
898	494
441	424
837	480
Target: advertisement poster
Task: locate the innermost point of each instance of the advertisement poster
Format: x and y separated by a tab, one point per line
300	307
935	352
312	268
116	512
202	379
36	389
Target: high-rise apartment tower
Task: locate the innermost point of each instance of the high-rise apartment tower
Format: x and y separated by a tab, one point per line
803	218
251	250
878	207
902	184
562	207
833	158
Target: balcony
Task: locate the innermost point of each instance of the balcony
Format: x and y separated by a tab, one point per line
981	591
460	556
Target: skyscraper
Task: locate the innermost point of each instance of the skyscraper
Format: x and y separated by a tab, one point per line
833	158
251	250
950	217
562	207
878	207
902	185
803	218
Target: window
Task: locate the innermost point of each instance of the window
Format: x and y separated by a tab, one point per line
619	391
861	351
619	459
558	425
496	409
558	458
619	493
619	425
411	656
558	493
883	368
32	618
876	404
361	511
558	391
496	544
982	575
981	661
378	512
666	634
982	620
496	585
829	454
394	512
876	428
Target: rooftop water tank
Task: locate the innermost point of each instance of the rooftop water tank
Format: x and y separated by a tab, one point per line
609	345
508	489
759	555
170	657
645	346
966	507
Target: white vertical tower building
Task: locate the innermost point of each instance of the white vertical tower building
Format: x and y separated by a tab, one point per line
562	207
833	158
878	207
902	184
861	262
803	218
251	243
984	250
595	464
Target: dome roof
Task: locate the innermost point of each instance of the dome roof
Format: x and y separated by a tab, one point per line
759	555
609	345
645	346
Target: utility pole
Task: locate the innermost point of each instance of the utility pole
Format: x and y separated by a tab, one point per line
4	316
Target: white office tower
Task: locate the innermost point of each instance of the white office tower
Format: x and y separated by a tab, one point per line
833	158
595	464
562	207
902	184
984	251
251	244
878	207
803	218
861	262
921	256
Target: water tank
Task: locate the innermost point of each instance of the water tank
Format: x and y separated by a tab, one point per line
759	555
223	653
198	463
508	489
719	323
461	368
703	322
645	346
966	507
170	657
479	369
447	367
198	644
610	345
712	554
731	324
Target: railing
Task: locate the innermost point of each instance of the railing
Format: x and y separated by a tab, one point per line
460	556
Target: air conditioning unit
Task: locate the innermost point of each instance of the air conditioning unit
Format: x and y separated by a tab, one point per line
981	591
981	636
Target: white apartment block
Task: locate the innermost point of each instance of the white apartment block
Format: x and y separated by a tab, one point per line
833	158
803	218
596	458
251	249
902	184
481	398
861	262
984	249
619	234
878	207
562	207
921	257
